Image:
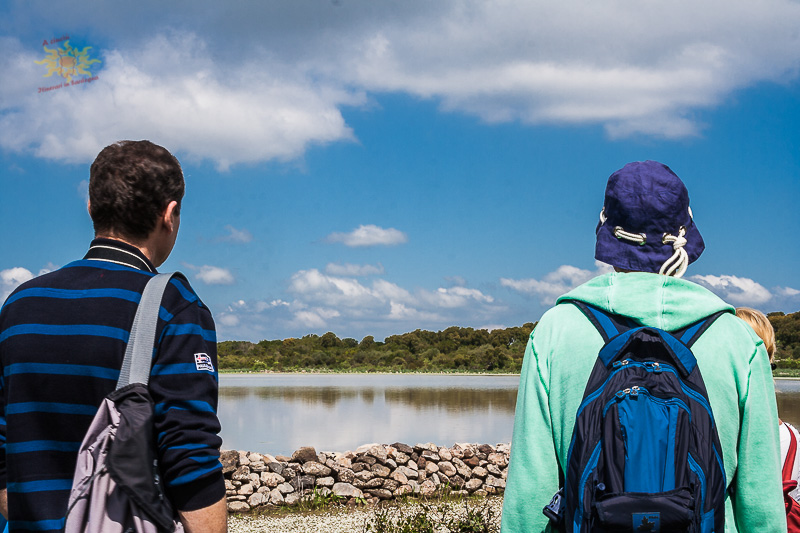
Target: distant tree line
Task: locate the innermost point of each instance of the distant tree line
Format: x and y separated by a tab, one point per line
787	337
454	349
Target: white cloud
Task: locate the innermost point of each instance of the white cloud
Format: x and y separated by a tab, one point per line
237	235
787	292
736	290
213	275
556	283
263	81
11	278
369	235
349	269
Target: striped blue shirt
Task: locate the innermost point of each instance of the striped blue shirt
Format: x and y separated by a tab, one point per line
62	341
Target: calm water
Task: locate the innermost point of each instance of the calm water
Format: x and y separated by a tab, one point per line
277	413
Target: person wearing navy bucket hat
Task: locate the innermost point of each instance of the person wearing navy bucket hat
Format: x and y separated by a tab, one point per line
647	233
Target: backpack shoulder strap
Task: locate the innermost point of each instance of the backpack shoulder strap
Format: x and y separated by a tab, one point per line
689	334
608	324
788	464
139	352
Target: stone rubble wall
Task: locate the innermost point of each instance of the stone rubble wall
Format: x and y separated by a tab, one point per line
372	473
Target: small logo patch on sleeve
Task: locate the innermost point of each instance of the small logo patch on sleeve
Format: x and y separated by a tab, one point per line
203	362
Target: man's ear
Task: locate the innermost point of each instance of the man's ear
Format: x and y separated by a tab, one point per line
89	207
168	218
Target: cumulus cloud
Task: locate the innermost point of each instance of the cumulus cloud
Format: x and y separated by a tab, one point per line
11	278
369	235
556	283
736	290
247	82
349	269
213	275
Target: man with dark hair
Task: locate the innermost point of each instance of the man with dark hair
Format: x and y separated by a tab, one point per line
63	338
647	233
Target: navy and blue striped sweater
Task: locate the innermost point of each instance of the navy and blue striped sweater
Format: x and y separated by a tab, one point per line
62	341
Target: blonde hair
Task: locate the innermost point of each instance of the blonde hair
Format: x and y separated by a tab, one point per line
761	325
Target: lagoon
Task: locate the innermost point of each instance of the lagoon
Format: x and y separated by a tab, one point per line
279	413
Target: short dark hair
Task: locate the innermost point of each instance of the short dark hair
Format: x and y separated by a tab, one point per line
130	185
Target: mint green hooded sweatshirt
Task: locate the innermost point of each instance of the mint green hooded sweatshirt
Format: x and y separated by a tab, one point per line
734	365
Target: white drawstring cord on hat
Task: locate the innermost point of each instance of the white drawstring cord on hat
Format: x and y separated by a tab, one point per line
637	238
675	265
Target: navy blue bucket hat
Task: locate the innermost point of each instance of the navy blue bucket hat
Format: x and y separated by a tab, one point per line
646	224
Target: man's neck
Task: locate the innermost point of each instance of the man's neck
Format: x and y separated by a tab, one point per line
145	246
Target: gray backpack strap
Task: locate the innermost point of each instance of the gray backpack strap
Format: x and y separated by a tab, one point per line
139	352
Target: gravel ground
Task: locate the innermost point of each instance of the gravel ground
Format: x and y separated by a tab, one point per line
335	521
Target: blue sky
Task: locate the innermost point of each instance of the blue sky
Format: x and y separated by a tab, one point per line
370	168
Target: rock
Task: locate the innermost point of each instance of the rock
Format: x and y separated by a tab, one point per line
457	481
282	459
400	477
364	476
346	475
373	483
494	470
404	448
243	460
498	483
445	454
485	449
229	485
275	497
314	468
403	489
427	446
473	484
256	499
383	494
421	462
462	469
381	471
430	456
390	484
436	479
293	498
229	460
412	465
427	488
431	468
257	466
498	459
391	463
405	472
472	461
264	488
245	490
447	469
285	488
255	480
480	492
401	458
325	482
364	447
275	467
370	460
302	482
304	454
238	507
480	472
379	453
271	479
347	490
241	474
358	467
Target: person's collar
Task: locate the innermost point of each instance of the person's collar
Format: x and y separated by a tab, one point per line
114	251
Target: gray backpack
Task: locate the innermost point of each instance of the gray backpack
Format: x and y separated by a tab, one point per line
116	488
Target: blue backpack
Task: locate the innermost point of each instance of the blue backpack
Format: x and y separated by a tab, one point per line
645	455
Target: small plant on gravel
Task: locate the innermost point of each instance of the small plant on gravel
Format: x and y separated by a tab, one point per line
428	518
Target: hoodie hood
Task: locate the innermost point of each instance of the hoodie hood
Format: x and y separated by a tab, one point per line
652	300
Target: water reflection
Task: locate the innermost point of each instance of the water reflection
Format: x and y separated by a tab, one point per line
279	413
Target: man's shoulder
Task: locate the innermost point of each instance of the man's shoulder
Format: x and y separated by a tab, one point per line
180	295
